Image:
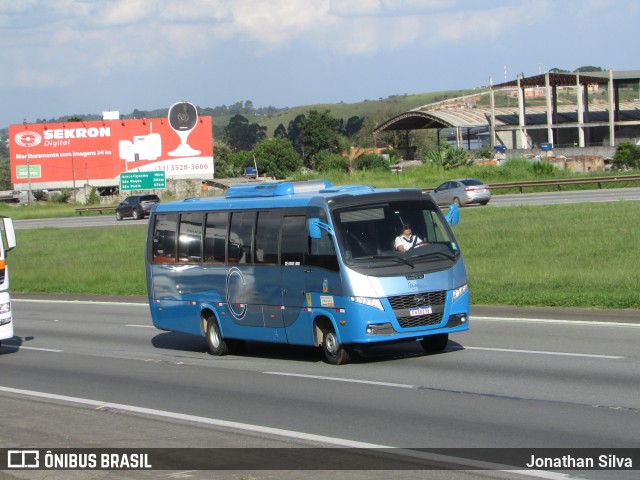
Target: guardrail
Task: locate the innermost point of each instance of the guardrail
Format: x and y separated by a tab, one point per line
567	181
81	210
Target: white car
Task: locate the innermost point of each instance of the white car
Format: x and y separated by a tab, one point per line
462	191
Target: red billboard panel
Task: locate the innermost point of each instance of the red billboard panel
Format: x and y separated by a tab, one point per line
57	155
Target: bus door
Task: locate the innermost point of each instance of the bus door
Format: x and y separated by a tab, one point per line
321	281
293	246
268	275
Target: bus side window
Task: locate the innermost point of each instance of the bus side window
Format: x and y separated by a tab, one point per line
293	242
190	238
267	237
215	237
164	238
240	237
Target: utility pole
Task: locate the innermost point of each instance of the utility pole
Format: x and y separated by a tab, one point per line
28	177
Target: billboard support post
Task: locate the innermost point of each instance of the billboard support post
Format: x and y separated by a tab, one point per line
28	176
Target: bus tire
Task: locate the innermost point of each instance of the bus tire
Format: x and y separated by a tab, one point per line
435	343
217	345
334	352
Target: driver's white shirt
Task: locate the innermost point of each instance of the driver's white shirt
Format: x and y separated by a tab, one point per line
407	243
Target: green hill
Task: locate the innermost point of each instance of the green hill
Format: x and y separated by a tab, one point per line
380	109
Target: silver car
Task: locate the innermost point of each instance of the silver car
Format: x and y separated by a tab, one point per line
462	191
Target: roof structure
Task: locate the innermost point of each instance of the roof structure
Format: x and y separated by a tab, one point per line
445	115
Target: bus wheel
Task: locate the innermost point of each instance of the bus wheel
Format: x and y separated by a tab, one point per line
334	352
435	343
217	345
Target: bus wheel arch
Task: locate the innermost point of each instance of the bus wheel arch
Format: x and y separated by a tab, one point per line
335	353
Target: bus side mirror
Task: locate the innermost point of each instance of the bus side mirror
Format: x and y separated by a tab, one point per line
453	215
314	228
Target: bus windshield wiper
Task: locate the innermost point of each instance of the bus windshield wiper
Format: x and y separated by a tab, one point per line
385	257
434	254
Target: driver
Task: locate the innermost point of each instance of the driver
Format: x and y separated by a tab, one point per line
406	240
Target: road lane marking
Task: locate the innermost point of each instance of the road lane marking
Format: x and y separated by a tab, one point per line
339	442
80	302
20	347
539	352
347	380
140	326
561	322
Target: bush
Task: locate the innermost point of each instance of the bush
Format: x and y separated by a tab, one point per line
544	169
93	198
40	195
484	153
627	155
372	161
328	161
448	157
62	196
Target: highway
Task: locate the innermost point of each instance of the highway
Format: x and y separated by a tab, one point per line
93	373
97	374
545	198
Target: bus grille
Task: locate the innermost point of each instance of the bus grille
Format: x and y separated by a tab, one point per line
401	305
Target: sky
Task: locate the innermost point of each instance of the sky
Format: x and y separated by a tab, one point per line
76	57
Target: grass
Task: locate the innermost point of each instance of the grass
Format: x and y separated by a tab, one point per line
104	261
582	255
38	210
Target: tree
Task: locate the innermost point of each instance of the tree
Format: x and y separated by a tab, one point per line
293	132
5	174
627	155
353	126
276	157
280	131
241	135
225	166
589	68
318	131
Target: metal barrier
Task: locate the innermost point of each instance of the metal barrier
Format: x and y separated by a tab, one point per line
567	181
79	211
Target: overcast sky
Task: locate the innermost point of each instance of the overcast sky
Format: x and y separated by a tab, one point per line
67	57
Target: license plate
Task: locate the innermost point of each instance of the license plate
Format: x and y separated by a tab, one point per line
414	312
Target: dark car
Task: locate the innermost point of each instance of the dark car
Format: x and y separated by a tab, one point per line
462	191
136	206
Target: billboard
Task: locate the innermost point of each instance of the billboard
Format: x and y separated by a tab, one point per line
64	155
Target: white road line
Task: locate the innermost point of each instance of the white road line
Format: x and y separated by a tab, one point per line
563	322
347	380
20	347
540	352
140	326
80	302
339	442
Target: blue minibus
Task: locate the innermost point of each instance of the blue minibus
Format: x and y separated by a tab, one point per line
307	263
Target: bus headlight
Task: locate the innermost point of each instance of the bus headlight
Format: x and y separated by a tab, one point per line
371	302
457	292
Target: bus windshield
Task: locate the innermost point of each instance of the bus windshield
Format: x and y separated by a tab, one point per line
402	235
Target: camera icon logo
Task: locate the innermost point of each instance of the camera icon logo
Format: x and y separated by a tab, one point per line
23	459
